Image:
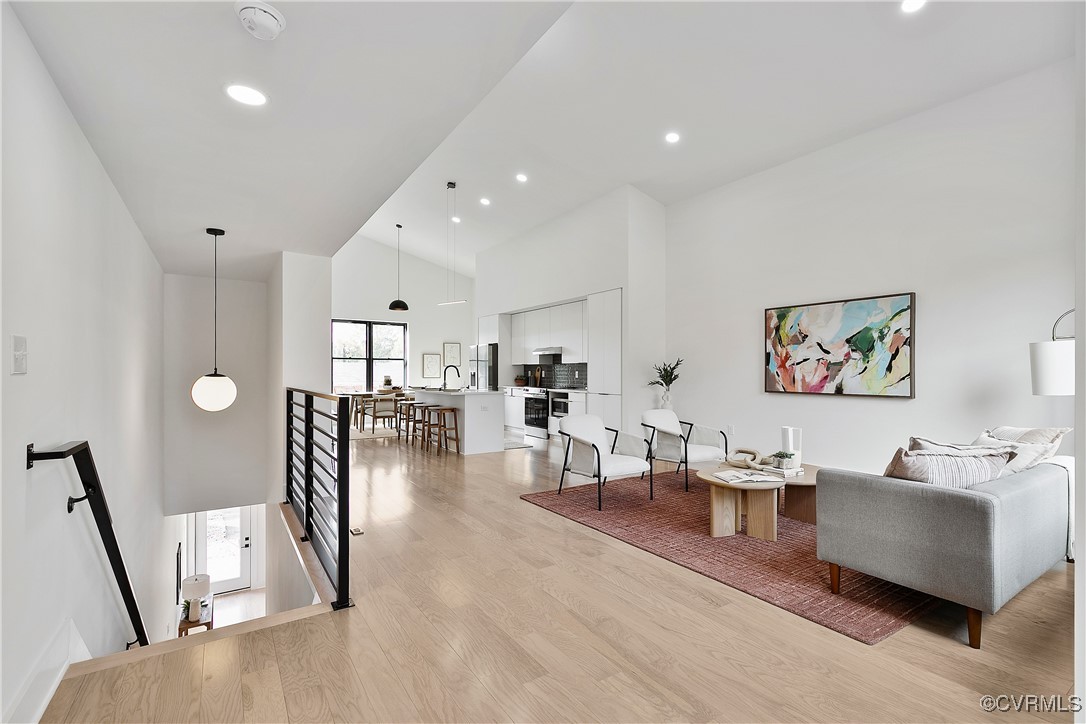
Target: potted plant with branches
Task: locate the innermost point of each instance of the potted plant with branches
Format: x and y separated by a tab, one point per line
666	376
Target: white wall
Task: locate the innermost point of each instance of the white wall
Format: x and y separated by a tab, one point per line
568	257
215	459
1080	344
969	205
299	313
644	319
364	282
81	284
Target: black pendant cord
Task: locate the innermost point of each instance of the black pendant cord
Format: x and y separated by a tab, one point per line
216	312
398	227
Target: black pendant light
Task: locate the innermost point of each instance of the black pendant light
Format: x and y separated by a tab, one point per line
398	305
214	392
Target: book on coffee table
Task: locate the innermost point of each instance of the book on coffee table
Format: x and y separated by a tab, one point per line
734	477
784	473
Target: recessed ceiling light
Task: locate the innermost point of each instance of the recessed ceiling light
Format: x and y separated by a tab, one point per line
521	177
456	219
672	137
484	202
245	94
911	6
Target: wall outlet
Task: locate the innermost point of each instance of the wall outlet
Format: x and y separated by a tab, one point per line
18	355
576	374
484	408
729	430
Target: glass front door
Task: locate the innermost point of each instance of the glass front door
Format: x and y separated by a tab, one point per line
223	549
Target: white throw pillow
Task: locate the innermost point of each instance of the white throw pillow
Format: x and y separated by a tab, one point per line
1029	434
1029	454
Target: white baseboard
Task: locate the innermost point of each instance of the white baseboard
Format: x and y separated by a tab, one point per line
66	647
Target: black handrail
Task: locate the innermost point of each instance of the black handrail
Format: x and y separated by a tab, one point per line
80	453
327	530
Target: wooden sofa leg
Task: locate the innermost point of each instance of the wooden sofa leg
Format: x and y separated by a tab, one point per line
835	578
973	619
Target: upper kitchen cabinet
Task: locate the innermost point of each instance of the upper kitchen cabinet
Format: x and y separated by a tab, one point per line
567	331
605	342
488	329
518	342
537	331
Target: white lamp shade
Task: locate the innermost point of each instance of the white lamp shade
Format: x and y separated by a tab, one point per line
1052	365
214	392
196	586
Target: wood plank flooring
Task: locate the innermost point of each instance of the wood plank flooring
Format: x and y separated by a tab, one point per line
472	605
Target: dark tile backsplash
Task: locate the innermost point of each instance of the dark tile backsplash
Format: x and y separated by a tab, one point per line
574	376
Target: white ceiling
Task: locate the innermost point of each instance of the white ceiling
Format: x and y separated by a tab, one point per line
748	85
359	94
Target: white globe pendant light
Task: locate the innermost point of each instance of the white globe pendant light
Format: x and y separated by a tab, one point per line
215	392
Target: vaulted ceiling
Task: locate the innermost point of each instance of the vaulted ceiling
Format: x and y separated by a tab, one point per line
374	106
359	94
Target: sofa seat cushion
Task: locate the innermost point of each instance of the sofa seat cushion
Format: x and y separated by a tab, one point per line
951	468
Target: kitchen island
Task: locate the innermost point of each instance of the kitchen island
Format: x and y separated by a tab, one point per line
481	415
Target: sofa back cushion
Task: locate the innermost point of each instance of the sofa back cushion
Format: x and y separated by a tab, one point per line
950	468
1026	454
1029	434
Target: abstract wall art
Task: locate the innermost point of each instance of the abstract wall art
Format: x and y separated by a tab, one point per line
849	347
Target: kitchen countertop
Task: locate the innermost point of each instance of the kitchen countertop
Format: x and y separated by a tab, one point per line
456	393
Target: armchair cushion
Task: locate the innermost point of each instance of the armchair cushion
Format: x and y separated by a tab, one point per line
704	453
615	465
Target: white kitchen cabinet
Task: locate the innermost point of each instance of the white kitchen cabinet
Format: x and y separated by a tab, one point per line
514	411
578	404
605	342
606	407
488	329
517	340
567	331
537	332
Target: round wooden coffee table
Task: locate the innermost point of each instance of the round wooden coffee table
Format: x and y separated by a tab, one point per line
726	505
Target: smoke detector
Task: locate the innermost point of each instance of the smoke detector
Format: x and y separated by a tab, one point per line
261	20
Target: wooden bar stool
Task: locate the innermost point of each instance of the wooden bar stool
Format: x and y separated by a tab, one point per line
419	421
404	415
439	431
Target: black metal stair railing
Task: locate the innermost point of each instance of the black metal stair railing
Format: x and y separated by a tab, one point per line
318	479
95	497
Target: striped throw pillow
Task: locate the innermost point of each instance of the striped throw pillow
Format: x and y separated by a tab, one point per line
951	468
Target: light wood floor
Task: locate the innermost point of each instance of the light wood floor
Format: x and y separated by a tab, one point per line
472	605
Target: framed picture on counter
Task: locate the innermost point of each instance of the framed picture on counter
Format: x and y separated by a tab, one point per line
431	364
452	354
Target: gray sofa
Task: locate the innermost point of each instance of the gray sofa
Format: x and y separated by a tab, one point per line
978	546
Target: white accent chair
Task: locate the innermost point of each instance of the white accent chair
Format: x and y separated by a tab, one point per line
588	453
668	441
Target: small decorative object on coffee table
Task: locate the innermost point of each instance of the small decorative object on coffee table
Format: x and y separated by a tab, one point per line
784	460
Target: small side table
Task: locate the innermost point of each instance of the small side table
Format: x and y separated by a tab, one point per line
207	616
799	495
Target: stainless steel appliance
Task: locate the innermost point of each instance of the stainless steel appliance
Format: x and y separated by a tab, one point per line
483	367
536	412
559	404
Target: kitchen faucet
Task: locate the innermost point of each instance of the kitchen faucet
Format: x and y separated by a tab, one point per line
445	375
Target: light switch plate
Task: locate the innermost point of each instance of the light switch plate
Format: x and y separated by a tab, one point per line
729	429
18	355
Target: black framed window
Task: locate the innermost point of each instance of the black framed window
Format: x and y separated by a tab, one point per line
364	353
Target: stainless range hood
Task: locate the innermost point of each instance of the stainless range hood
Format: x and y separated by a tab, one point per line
552	351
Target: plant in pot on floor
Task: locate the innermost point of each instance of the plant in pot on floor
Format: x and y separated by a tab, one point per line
666	376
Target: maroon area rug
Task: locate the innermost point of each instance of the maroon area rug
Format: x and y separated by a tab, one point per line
785	572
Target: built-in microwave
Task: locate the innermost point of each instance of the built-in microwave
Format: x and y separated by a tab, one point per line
559	405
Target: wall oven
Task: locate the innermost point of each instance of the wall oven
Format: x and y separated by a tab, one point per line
536	412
